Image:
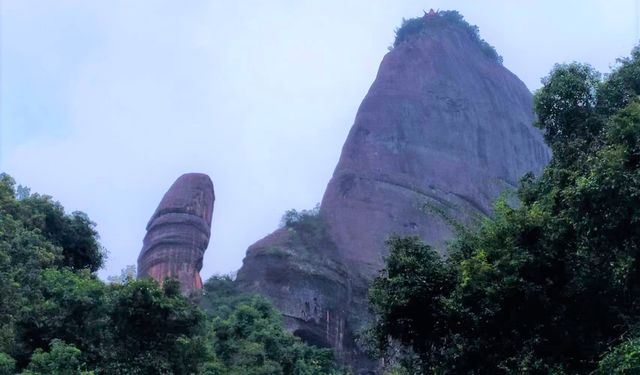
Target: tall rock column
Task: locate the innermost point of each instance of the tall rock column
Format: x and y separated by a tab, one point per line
178	232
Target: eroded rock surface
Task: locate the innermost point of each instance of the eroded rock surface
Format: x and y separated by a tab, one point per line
178	232
443	130
443	124
299	268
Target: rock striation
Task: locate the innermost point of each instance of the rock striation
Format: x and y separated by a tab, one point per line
444	129
178	232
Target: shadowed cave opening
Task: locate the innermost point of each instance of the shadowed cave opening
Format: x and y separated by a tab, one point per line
311	338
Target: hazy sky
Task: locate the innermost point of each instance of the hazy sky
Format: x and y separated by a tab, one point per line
103	104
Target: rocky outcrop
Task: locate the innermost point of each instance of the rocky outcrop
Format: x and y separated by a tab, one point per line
300	269
443	130
178	232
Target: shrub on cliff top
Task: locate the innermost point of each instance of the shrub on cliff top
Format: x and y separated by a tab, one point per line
292	217
445	19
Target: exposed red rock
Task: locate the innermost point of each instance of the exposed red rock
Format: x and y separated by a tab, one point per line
444	125
443	130
178	232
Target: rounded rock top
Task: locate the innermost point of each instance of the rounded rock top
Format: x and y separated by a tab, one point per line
192	194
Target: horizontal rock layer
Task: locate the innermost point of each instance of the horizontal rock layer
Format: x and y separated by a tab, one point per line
178	232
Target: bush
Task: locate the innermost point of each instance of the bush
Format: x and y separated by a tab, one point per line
7	364
623	359
443	20
62	359
248	336
293	216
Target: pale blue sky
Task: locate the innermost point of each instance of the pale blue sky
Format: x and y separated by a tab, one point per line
104	103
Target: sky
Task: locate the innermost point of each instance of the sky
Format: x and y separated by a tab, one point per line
103	104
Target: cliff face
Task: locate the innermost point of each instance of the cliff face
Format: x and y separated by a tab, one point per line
178	232
443	130
300	269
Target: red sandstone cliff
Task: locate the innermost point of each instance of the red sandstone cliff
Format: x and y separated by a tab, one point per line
445	124
443	130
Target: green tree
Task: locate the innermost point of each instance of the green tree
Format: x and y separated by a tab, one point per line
62	359
24	254
56	316
152	329
74	233
411	289
566	105
7	364
623	359
248	336
70	307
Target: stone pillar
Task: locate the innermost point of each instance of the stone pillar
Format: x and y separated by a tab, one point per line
178	233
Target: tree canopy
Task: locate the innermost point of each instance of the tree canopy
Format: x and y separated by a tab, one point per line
57	317
248	336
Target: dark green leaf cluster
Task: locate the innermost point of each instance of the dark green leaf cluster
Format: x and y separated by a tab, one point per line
74	234
548	286
249	338
62	359
416	279
443	20
623	359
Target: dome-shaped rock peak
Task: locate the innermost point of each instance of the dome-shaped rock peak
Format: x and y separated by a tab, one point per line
178	232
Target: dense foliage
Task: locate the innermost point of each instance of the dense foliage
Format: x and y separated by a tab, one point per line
549	286
308	235
57	317
248	337
443	20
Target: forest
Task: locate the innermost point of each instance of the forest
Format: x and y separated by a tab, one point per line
58	317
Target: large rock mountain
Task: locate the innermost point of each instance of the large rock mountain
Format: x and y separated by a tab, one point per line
444	129
178	232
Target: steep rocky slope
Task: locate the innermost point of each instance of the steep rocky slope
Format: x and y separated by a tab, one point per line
178	232
443	130
444	124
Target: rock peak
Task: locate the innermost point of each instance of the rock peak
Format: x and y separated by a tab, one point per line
442	132
178	232
440	24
